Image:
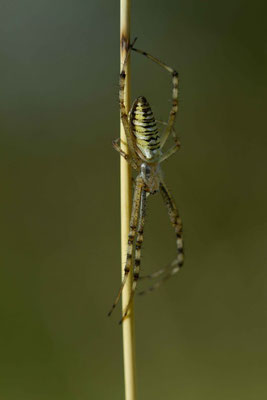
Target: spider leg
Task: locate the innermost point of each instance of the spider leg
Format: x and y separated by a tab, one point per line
127	157
170	151
175	137
138	245
131	237
154	275
174	107
174	148
123	101
176	222
170	267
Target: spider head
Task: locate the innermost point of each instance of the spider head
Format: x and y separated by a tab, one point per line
151	176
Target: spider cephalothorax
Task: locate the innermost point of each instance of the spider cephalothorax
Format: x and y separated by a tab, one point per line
145	155
151	175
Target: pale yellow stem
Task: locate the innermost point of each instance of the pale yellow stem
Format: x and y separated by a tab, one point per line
126	200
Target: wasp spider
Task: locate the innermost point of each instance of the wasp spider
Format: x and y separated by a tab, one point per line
145	156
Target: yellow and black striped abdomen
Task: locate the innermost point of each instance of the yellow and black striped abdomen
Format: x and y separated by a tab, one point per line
145	129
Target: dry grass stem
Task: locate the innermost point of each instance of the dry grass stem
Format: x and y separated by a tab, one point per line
126	200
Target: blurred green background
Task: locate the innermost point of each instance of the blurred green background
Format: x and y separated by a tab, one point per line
202	335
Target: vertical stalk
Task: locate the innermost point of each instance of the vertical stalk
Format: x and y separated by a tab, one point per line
126	199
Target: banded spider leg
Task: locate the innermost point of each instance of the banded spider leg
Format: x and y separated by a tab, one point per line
177	263
131	236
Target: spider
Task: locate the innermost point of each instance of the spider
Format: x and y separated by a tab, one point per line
145	156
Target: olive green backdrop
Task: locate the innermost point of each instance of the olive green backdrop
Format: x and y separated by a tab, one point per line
203	335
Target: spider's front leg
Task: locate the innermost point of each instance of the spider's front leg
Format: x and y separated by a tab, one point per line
176	222
138	245
131	236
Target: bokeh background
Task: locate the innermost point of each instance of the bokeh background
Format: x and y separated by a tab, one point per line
202	335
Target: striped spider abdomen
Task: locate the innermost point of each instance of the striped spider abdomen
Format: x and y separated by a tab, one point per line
145	129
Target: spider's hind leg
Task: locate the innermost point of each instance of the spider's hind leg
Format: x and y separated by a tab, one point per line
123	110
170	151
174	148
175	82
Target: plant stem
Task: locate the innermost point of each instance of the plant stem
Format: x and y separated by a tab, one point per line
126	199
